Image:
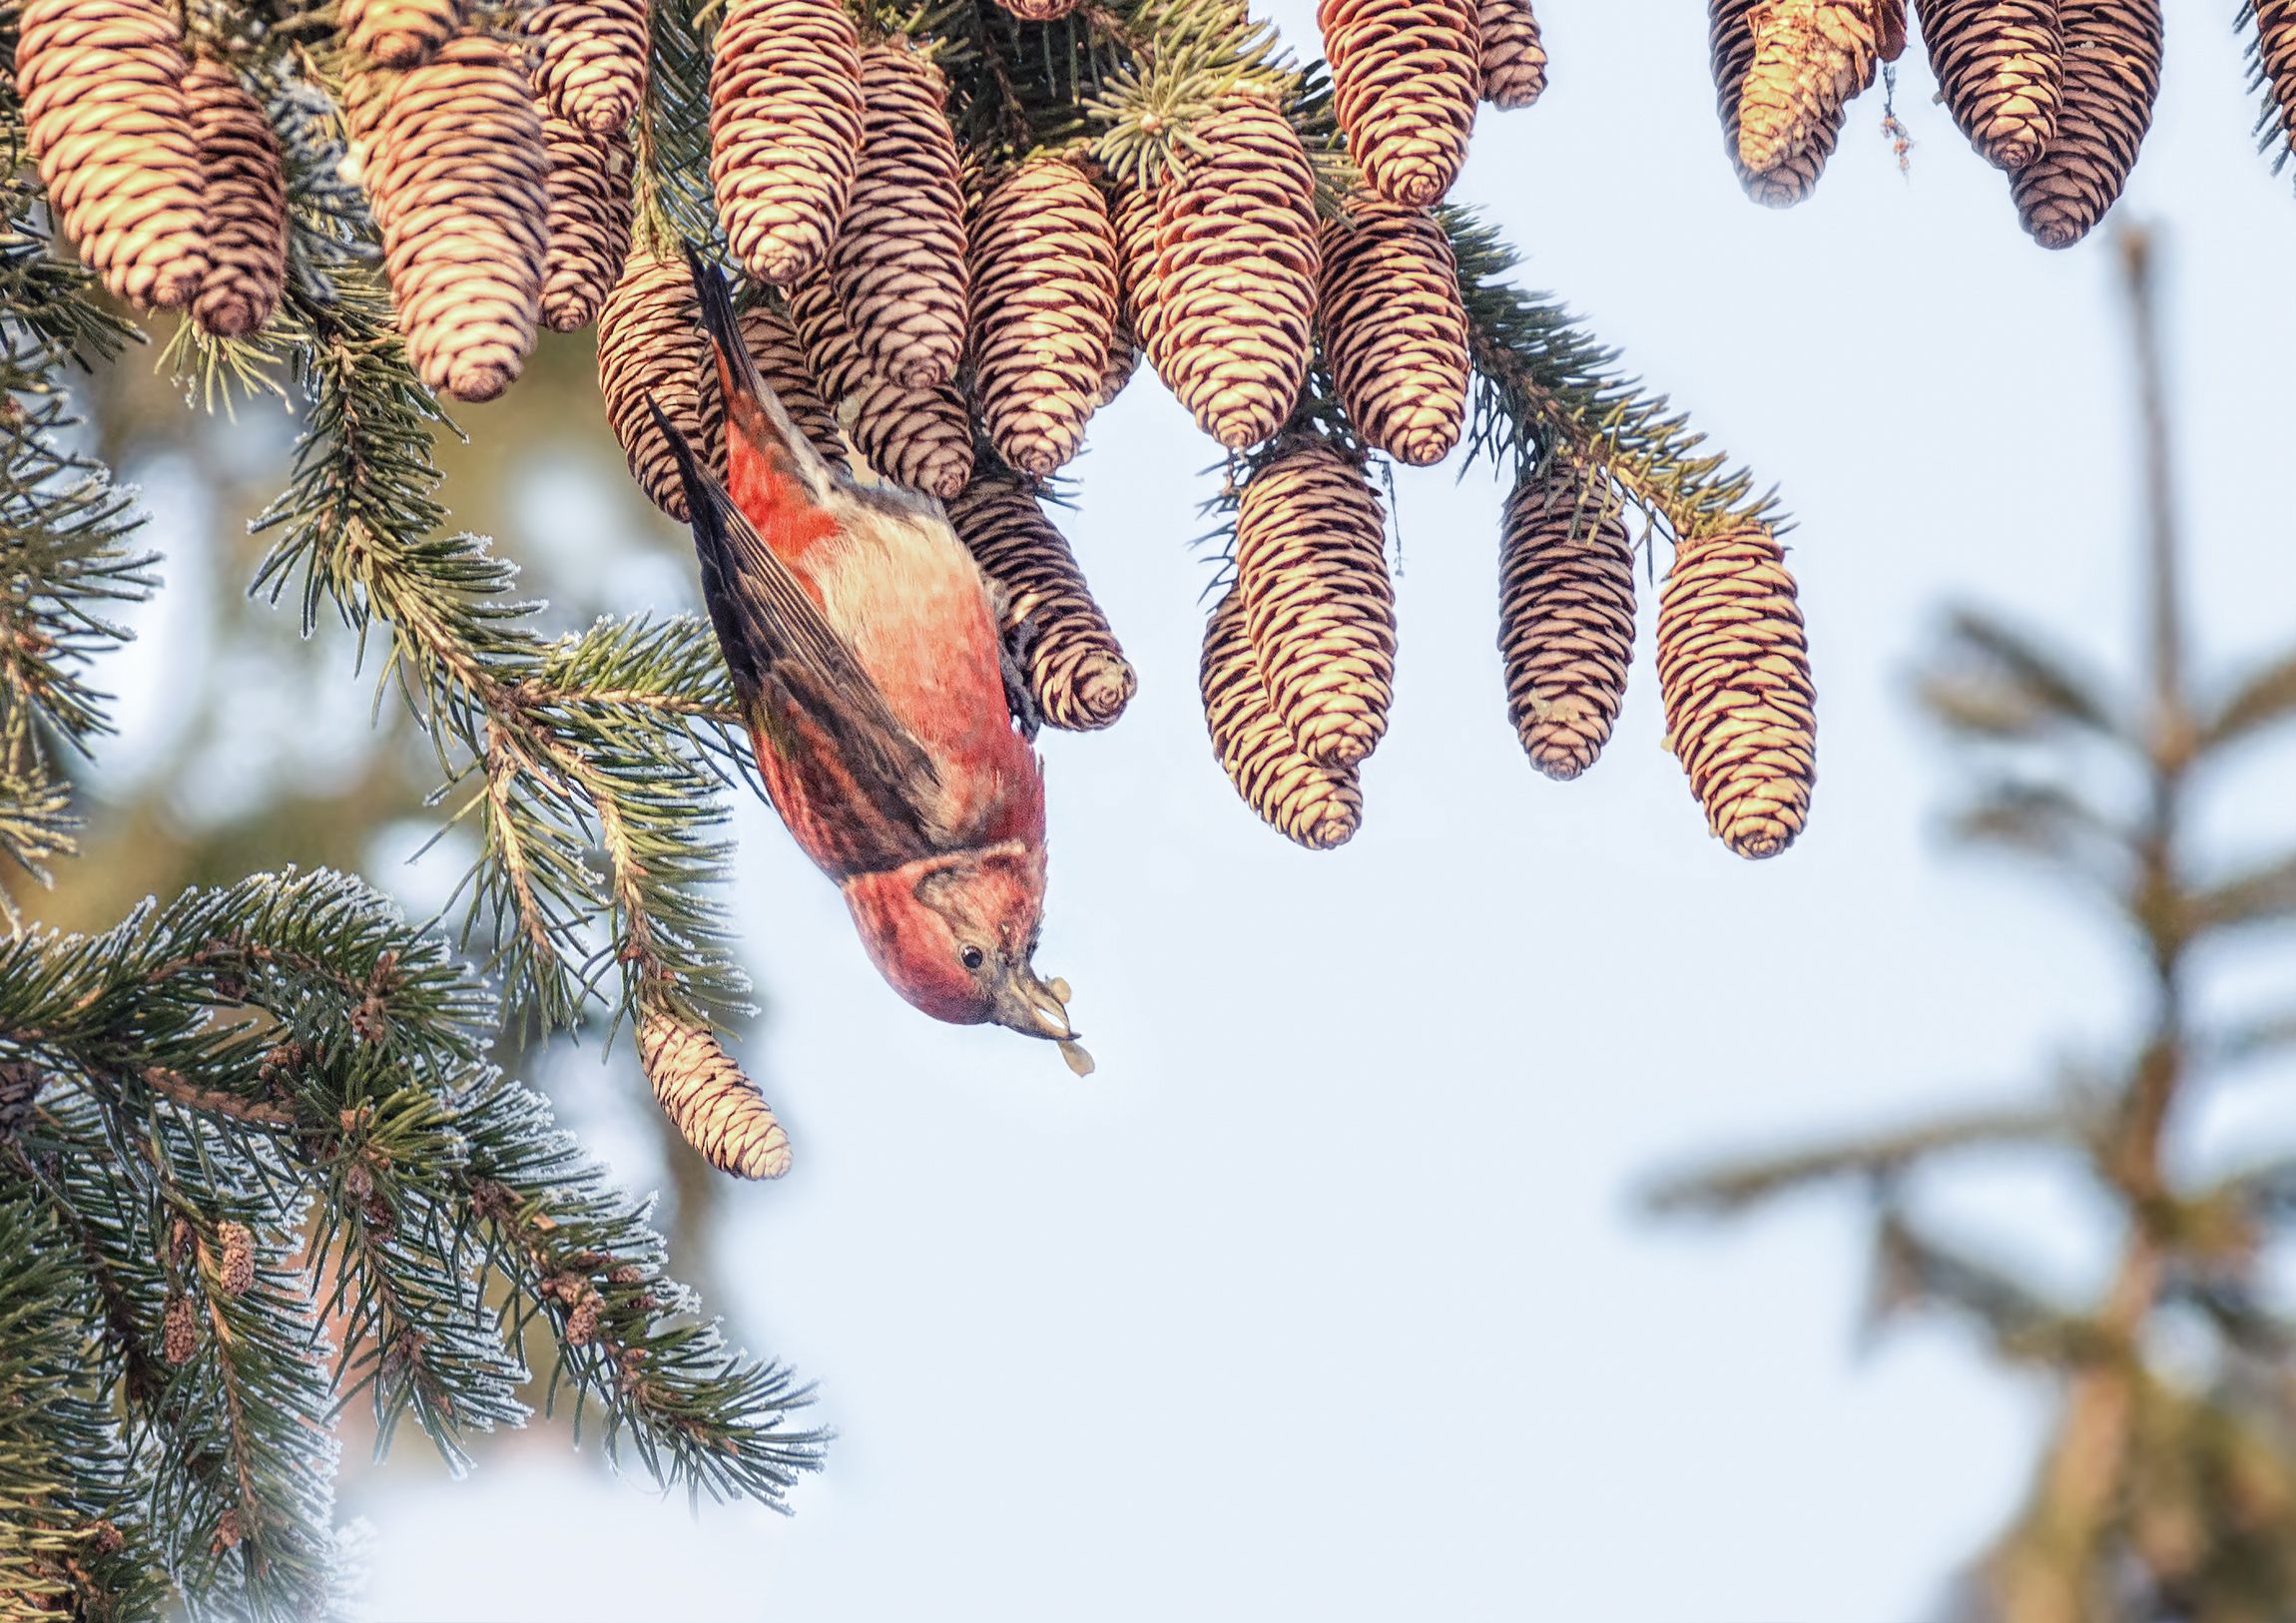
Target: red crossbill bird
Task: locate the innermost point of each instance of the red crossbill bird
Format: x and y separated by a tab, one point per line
893	736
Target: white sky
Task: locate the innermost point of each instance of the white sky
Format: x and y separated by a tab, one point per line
1326	1297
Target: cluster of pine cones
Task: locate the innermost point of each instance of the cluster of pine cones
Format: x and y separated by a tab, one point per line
2056	93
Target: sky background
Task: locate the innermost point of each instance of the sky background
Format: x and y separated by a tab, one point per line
1329	1296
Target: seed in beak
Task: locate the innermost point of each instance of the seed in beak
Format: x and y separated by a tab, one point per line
1078	1060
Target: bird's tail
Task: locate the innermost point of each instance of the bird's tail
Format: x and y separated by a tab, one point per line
755	420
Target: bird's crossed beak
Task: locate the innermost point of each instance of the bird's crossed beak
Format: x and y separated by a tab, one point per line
1039	1008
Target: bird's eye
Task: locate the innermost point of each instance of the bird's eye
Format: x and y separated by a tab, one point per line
972	957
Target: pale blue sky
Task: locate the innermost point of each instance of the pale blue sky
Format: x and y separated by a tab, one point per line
1326	1297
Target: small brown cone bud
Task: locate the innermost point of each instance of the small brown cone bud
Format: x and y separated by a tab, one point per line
179	1330
398	33
899	262
1395	330
591	70
1566	616
101	88
1040	11
785	131
1734	671
1319	806
781	359
460	183
2112	75
589	226
246	197
2001	71
1513	59
651	353
235	1272
1075	672
713	1105
1809	58
1796	171
1312	574
19	1087
921	438
1133	216
1236	263
1043	311
2272	69
1406	75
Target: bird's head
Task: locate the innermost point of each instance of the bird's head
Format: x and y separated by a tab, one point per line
955	934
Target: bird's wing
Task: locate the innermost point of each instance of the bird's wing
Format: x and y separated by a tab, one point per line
779	647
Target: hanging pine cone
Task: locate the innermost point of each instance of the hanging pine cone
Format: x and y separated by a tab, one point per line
246	199
460	185
1404	77
1043	311
1512	58
651	353
101	88
1319	806
1312	572
1734	670
589	226
1809	58
1791	179
714	1108
1235	291
398	33
921	438
2112	75
1076	673
591	70
1395	330
2000	70
785	131
1566	616
1124	361
1133	216
2272	69
898	266
781	359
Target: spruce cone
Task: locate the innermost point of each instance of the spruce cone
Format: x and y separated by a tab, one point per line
461	184
1076	673
1319	806
651	353
1513	61
1731	34
717	1109
1040	11
2272	69
899	265
1311	575
772	343
1565	618
1234	297
1124	361
179	1330
235	1271
246	196
589	226
921	438
1043	311
398	33
1404	77
1809	58
1395	330
102	87
2000	70
1133	217
785	131
2111	74
1734	670
592	67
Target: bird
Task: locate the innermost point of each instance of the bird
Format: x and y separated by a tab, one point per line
891	731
